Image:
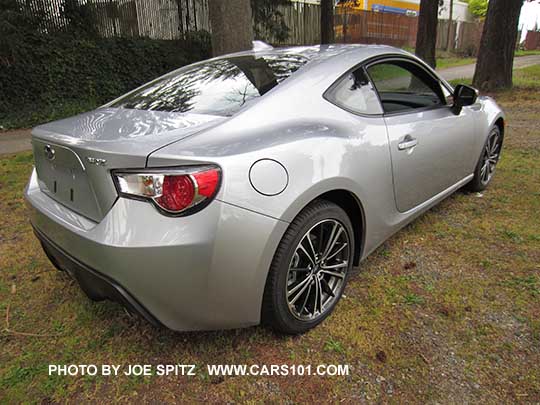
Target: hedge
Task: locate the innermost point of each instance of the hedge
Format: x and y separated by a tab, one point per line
49	76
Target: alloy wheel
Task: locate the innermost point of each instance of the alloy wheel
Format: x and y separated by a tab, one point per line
490	157
317	270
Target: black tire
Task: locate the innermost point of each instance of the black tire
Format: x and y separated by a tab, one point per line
481	178
276	312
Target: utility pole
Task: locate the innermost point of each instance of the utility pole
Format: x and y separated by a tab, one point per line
448	39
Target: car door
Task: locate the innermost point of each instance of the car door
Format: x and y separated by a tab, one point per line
430	146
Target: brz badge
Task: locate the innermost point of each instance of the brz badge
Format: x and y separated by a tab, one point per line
96	161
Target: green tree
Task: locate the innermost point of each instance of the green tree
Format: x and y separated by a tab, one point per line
478	8
268	18
81	18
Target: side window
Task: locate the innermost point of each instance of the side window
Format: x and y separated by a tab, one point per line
355	93
448	97
405	86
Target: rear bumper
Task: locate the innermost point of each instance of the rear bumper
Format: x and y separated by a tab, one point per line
96	286
200	272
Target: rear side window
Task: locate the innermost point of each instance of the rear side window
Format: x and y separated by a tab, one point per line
219	87
355	93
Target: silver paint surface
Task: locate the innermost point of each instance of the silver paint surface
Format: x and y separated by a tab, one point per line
208	270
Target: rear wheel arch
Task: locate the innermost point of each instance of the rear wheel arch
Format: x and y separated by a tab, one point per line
276	310
352	205
354	209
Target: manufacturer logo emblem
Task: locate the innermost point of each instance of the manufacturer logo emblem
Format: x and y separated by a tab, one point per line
96	161
49	151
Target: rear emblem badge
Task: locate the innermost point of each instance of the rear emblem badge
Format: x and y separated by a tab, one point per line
49	151
96	161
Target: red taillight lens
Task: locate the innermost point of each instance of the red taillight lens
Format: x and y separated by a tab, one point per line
175	191
207	182
178	193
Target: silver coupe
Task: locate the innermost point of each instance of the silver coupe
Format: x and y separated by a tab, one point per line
244	188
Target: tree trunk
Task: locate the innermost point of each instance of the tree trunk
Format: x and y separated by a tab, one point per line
232	25
327	21
497	46
426	38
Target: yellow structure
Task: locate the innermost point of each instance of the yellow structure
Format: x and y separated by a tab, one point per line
408	7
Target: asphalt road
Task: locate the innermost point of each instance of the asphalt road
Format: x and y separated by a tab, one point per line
467	71
19	140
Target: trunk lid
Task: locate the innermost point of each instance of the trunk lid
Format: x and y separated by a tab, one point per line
74	156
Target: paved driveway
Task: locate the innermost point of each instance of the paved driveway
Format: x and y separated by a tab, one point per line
19	140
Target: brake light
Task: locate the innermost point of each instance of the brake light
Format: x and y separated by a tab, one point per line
178	193
207	182
174	191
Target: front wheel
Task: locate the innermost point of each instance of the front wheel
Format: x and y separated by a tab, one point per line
310	269
485	168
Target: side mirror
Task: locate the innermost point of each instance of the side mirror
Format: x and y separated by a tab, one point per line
463	96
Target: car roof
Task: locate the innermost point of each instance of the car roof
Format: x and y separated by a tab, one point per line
325	65
324	52
333	59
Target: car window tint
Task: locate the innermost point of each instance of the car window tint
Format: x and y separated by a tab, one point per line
355	93
219	87
404	86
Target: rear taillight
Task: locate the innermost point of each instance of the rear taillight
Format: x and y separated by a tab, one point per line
178	191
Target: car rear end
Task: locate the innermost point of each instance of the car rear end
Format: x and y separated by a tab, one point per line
189	270
121	248
160	241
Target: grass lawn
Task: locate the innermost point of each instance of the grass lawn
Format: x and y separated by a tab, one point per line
452	61
449	59
448	310
522	52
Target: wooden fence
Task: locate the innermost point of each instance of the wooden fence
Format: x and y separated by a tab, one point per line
469	35
303	20
157	19
369	27
172	19
532	40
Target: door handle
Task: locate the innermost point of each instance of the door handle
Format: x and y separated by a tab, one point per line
407	143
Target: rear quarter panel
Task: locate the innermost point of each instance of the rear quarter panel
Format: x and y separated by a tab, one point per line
322	147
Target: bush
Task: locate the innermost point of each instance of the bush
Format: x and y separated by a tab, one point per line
48	76
478	8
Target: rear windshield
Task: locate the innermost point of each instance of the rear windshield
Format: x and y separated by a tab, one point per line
220	87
